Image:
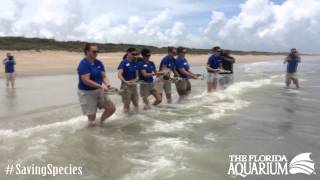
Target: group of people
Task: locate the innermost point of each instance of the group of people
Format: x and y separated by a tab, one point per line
136	68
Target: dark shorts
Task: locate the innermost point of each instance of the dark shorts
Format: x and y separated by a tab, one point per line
183	86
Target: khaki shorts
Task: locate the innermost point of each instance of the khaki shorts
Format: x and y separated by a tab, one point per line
163	85
183	86
146	89
291	76
226	80
10	76
129	93
91	100
212	77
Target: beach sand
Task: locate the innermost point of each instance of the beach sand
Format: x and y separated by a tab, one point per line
33	63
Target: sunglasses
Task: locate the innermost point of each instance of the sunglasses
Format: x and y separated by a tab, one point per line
147	55
134	54
95	52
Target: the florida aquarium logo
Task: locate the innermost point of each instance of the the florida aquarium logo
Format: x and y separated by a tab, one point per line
245	165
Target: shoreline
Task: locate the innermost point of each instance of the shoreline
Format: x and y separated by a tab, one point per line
50	63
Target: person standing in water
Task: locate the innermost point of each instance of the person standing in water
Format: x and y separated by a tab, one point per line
163	83
227	66
292	61
9	64
214	65
147	70
128	74
93	82
183	84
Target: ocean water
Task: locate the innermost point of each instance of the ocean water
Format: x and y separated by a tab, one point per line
41	123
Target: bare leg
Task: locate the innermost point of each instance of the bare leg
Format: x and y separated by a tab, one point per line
188	93
288	82
296	82
214	85
146	102
182	95
126	108
135	103
91	119
7	83
108	111
169	98
12	83
210	86
158	98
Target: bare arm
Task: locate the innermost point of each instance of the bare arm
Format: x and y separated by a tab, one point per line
175	72
212	69
164	71
145	74
137	75
188	73
120	76
87	81
105	79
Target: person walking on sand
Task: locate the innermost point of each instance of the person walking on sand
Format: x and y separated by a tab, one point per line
93	82
9	64
214	65
163	83
183	84
292	61
147	70
128	74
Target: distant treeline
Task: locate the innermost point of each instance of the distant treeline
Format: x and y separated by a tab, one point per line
38	44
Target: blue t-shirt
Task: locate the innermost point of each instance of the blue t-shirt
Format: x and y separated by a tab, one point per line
129	69
182	63
168	61
9	65
215	61
149	67
95	70
292	64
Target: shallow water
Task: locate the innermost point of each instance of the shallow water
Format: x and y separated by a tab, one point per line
41	123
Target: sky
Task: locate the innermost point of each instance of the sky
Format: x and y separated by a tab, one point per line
250	25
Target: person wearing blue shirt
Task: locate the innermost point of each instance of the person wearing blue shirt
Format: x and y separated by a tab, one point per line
183	84
147	70
163	83
93	82
128	74
214	65
9	64
292	61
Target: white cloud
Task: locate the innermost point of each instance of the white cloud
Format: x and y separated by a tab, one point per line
263	25
260	24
